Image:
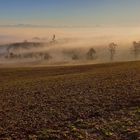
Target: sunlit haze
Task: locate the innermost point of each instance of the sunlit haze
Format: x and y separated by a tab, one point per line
74	24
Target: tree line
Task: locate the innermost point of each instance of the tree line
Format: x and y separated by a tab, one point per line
91	54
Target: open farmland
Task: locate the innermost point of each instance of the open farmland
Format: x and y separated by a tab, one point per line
89	102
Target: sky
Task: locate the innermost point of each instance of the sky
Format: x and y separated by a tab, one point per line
70	12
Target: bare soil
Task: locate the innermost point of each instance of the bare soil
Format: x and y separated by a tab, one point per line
88	102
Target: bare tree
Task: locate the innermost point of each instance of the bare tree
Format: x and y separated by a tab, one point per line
53	38
47	56
136	46
75	57
112	50
91	54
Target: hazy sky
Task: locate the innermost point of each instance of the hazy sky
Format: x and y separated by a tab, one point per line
70	12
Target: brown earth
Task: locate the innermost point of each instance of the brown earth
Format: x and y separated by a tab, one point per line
89	102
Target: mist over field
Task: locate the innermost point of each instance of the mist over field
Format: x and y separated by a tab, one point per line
66	45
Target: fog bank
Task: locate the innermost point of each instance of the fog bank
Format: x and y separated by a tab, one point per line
70	45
